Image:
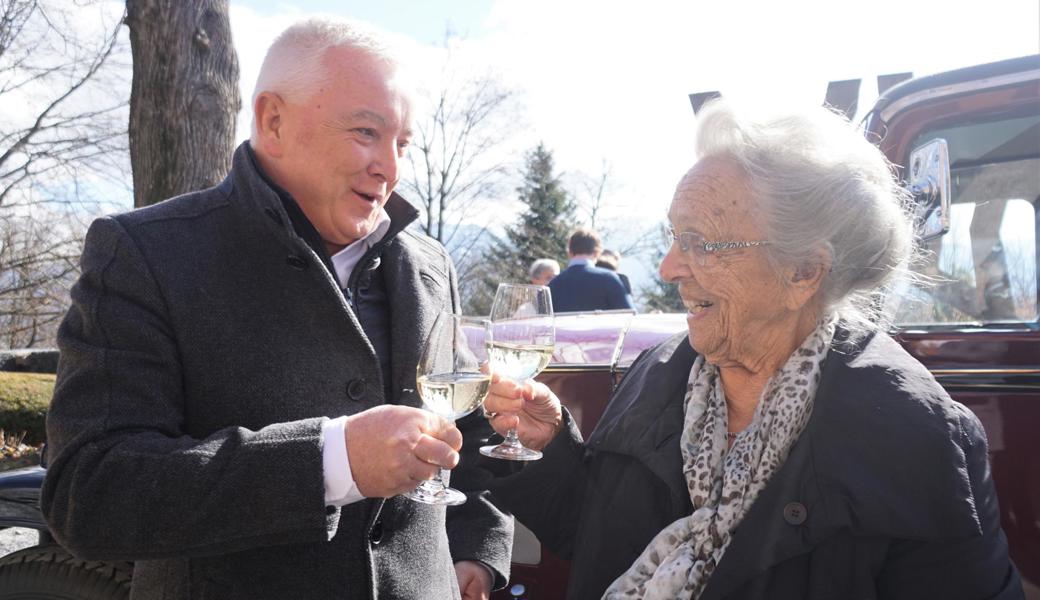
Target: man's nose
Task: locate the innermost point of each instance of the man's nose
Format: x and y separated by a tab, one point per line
384	163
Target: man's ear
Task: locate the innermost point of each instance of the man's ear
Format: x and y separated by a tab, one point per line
269	112
803	280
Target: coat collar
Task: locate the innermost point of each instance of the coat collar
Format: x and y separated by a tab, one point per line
866	461
256	194
419	284
415	268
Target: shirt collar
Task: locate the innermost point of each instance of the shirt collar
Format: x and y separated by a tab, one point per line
346	259
580	260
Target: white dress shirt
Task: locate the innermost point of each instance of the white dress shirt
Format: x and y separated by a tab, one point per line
340	487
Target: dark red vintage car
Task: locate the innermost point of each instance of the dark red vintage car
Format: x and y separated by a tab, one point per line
977	330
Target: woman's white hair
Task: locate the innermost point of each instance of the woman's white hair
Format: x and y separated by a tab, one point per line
820	185
293	67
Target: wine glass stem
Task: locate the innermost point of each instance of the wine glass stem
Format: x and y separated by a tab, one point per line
512	439
439	480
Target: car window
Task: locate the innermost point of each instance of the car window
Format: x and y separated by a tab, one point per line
984	269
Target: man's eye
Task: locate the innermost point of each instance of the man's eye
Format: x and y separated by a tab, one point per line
366	132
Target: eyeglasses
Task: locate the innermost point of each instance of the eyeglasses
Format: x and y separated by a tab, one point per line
700	250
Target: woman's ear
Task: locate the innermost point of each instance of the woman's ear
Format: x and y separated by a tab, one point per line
803	280
268	112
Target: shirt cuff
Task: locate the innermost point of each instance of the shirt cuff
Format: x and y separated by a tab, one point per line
340	488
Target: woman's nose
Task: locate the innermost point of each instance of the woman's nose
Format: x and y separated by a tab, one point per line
673	267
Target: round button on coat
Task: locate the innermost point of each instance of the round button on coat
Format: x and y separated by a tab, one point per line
376	535
356	389
795	513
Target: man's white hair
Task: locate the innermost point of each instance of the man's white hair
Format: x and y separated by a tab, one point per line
544	264
293	67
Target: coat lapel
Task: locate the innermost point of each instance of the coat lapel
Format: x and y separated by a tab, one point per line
418	283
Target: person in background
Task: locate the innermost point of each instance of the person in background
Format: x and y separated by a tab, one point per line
584	286
611	261
543	270
784	446
235	409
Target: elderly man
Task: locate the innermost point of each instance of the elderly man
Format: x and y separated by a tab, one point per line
583	285
236	408
543	270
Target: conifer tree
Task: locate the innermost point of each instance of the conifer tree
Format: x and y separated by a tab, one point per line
540	231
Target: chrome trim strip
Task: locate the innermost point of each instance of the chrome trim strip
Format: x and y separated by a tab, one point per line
949	372
604	367
960	387
957	88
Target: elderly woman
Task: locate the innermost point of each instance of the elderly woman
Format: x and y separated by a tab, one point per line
784	448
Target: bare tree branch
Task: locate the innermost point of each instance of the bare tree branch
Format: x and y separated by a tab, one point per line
458	158
66	136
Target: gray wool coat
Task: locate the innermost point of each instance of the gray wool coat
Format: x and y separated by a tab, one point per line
205	347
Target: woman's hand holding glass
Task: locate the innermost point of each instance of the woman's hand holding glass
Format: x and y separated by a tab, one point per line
520	346
529	407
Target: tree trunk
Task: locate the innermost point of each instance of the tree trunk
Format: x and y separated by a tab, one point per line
184	97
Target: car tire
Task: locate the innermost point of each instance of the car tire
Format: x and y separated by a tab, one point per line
50	573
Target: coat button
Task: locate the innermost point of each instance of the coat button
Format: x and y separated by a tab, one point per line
356	389
795	513
376	535
296	262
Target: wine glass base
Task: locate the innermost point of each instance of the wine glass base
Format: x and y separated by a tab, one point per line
506	452
440	497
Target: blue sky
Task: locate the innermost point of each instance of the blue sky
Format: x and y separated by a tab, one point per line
423	20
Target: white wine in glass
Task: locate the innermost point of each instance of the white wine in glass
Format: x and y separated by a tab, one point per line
453	380
453	395
520	346
519	361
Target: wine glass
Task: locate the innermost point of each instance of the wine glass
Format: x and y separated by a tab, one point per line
520	346
453	380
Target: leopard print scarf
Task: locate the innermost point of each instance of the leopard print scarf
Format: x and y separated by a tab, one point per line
724	484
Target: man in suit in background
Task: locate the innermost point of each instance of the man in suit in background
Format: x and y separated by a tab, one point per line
235	409
584	286
611	261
